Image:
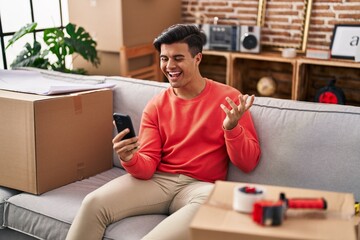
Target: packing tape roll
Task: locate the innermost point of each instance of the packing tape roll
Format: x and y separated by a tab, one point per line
289	53
245	197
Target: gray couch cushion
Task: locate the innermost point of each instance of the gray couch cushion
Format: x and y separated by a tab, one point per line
141	92
133	104
307	145
133	228
8	234
5	193
49	215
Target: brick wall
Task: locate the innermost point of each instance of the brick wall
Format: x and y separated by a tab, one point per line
283	18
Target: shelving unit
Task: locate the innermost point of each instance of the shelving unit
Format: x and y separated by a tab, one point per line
216	65
297	78
247	69
315	74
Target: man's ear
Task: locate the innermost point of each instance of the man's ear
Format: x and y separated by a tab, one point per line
198	58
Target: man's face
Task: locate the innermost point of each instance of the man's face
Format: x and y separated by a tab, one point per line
177	64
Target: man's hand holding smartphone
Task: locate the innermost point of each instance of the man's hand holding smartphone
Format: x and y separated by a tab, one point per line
125	143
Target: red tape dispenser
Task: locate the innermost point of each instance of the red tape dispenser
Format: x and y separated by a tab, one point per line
270	213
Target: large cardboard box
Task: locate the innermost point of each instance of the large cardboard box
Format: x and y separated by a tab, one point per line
357	227
49	141
217	220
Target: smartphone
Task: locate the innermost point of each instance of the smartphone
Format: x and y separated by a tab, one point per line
123	121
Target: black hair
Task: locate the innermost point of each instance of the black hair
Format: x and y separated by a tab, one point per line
182	33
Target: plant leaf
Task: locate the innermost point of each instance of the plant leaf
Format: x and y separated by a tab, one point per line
23	31
82	43
31	57
60	45
54	38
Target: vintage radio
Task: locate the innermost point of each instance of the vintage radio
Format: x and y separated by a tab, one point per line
232	38
221	37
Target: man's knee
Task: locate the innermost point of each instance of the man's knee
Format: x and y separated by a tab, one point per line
94	205
194	195
202	194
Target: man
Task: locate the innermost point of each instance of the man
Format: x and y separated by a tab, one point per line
187	136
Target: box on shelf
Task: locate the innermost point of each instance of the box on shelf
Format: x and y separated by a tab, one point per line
50	141
318	53
217	220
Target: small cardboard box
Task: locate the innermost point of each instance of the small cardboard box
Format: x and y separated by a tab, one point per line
217	220
50	141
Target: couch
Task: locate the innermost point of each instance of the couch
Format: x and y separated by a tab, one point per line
304	144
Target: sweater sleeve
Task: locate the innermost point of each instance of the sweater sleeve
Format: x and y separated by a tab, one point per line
144	162
242	144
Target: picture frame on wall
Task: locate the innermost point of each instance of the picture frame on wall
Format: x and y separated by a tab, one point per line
345	41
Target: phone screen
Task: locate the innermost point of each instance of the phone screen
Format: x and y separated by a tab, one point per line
123	121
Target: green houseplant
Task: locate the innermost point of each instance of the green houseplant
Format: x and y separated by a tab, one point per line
61	43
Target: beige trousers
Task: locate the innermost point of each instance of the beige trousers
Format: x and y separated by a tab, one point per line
174	194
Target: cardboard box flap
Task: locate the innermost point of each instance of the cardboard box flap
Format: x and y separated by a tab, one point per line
21	96
16	146
76	141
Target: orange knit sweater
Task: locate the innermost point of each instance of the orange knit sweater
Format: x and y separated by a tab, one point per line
187	137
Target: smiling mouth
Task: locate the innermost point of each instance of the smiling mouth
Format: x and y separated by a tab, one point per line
174	74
